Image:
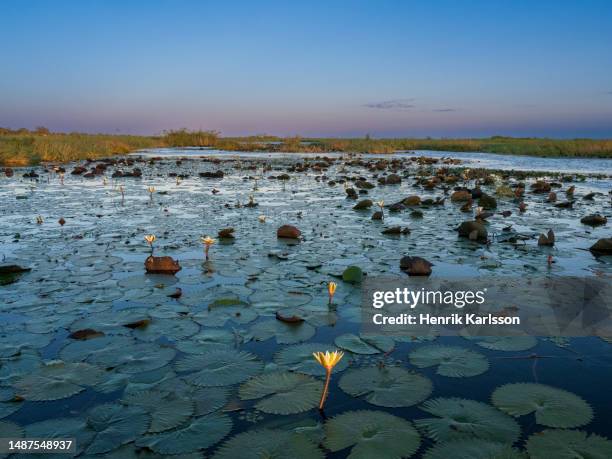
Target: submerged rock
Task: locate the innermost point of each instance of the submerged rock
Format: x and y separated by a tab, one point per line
288	232
473	230
396	230
351	193
602	247
415	266
547	239
594	220
363	204
213	175
162	265
540	187
226	233
378	215
461	196
411	201
487	202
13	269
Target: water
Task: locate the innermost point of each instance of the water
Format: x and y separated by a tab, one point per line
89	274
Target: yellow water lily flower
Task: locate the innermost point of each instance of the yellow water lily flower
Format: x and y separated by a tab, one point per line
328	360
381	203
150	238
151	189
262	218
208	242
331	289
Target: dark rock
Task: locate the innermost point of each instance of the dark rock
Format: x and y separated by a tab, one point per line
288	232
8	172
162	265
364	184
13	269
461	196
283	177
487	202
540	187
397	207
565	205
416	214
602	247
594	220
226	233
476	193
396	230
393	179
547	239
363	204
351	193
378	215
87	333
473	230
415	266
78	170
552	197
411	201
212	175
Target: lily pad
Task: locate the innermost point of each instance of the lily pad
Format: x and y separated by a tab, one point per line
474	448
452	361
507	343
386	386
352	275
357	345
268	443
115	425
568	444
552	407
283	332
167	411
371	434
61	428
460	419
219	367
57	380
282	392
201	433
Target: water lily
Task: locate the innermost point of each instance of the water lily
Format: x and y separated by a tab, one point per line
207	241
328	360
151	190
39	220
262	218
61	176
150	238
381	204
331	289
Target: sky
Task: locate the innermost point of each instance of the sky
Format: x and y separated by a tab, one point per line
330	68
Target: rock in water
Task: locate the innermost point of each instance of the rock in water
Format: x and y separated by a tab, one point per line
540	187
415	266
487	202
396	230
602	247
547	239
411	201
363	204
226	233
474	230
378	215
393	179
461	196
12	269
162	265
351	193
594	220
288	232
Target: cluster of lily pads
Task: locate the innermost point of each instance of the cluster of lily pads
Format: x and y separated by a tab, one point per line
219	357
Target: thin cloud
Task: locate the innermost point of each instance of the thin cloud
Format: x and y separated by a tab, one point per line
444	110
394	104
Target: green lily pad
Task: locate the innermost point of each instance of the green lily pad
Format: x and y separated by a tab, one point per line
358	345
460	419
386	386
473	448
507	343
219	367
452	361
115	425
167	411
201	433
282	392
371	434
352	275
568	444
285	333
57	380
268	443
552	407
208	340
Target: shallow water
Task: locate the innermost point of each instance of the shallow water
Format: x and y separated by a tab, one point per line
89	274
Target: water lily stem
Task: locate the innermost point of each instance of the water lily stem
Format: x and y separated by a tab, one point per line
325	389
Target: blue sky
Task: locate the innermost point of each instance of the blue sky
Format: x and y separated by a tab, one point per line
334	68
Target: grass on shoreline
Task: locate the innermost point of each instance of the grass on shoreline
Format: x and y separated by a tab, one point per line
23	147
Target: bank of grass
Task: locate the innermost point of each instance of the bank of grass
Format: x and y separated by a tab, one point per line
31	148
23	147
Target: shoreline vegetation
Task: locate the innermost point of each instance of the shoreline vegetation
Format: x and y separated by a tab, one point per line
23	147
